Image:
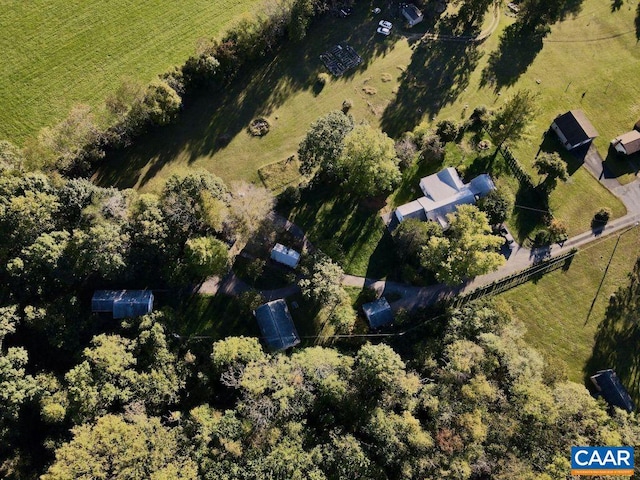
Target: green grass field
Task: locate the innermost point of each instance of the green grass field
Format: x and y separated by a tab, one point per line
564	310
57	53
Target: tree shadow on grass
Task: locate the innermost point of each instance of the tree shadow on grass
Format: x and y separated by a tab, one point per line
527	217
212	118
518	48
437	74
618	336
637	22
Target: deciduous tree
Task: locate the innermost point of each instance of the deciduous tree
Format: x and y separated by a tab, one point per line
466	251
368	163
323	144
511	121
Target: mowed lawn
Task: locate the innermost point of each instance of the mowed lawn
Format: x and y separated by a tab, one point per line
401	83
563	310
57	53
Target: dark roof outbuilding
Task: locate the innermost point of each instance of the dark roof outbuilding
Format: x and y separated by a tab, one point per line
378	313
612	390
276	325
122	303
576	127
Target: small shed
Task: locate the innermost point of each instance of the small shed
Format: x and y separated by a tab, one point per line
284	255
609	386
378	313
627	143
276	325
122	303
574	129
412	14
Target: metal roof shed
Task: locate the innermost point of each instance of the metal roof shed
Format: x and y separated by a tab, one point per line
378	313
285	255
612	390
276	325
122	303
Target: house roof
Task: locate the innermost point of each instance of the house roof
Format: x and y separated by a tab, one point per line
630	141
444	191
612	390
575	126
411	12
378	313
122	303
276	325
442	185
411	209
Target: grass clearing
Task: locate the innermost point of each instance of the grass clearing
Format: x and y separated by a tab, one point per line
57	53
413	82
556	308
278	175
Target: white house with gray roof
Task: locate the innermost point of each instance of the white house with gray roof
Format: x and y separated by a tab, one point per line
443	192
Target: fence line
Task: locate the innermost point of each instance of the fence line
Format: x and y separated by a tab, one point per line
515	279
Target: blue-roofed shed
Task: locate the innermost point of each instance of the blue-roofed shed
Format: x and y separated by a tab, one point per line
612	390
122	303
378	313
276	325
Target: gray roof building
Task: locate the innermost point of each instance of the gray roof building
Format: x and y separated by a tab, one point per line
627	143
122	303
276	325
443	192
378	313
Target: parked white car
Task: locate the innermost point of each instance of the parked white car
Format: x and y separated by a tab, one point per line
385	24
376	10
383	31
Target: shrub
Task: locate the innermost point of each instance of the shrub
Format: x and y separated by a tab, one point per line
259	127
447	130
542	237
480	118
602	216
347	105
433	150
290	196
406	150
322	79
557	230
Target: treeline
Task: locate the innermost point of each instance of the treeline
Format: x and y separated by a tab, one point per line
76	145
474	402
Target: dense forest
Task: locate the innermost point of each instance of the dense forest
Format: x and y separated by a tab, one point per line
88	397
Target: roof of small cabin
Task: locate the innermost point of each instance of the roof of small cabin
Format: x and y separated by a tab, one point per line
289	252
412	12
575	126
378	313
612	390
276	325
630	141
123	303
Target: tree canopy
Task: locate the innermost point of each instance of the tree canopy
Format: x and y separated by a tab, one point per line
368	164
323	144
468	249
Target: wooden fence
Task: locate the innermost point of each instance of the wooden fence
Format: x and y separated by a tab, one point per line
518	278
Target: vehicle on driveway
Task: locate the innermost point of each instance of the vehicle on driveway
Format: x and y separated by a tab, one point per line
383	31
385	24
503	232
